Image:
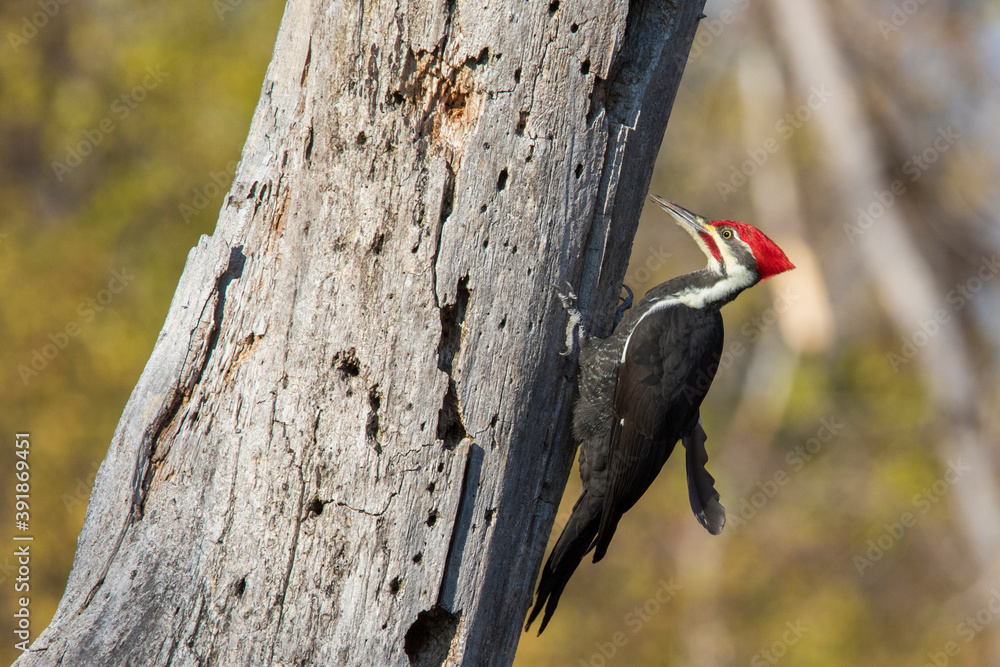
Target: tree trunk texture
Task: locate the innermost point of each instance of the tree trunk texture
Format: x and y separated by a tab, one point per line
351	438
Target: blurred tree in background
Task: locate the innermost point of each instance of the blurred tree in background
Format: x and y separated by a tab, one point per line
853	428
121	124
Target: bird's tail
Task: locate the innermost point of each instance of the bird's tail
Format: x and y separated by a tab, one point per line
576	539
701	485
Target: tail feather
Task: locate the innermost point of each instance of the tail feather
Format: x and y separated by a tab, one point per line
576	539
701	485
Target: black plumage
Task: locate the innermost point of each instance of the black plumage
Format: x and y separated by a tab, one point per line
640	391
643	405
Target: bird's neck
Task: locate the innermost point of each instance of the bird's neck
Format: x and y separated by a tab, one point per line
706	288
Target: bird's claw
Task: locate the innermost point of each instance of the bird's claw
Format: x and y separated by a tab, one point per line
626	303
568	299
575	324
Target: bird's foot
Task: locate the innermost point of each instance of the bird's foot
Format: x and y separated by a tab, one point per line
626	303
574	327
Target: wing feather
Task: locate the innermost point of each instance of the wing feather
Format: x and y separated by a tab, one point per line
668	364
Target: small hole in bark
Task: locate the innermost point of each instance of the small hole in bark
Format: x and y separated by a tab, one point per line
522	122
585	67
432	518
361	139
315	507
553	6
578	172
374	404
502	180
517	76
574	28
347	363
430	488
419	557
394	585
241	586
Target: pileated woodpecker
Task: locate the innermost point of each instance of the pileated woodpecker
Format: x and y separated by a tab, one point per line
641	388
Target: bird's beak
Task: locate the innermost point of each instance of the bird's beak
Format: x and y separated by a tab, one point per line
694	223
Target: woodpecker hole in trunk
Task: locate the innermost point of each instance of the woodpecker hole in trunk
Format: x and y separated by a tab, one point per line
429	639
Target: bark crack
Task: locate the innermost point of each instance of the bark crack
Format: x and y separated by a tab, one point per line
181	395
451	428
280	597
620	99
447	205
448	592
361	510
372	426
305	67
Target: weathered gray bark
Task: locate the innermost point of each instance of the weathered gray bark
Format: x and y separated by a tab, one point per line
352	435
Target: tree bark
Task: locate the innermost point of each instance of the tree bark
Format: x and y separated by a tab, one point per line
352	435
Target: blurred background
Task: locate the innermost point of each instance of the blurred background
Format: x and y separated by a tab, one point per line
853	425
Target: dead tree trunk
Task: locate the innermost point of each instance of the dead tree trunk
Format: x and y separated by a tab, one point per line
351	438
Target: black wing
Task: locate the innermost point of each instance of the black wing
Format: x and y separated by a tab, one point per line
669	363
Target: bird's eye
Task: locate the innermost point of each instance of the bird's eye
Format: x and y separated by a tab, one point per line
726	234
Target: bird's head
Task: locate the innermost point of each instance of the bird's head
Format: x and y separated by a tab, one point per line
732	248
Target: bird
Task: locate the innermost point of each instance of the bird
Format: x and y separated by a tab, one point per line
640	391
